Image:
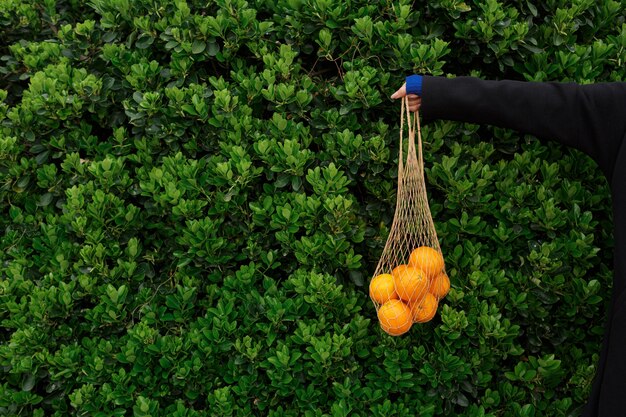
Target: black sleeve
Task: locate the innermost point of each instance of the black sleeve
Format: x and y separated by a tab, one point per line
591	118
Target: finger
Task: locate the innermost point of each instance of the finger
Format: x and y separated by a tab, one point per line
400	93
415	103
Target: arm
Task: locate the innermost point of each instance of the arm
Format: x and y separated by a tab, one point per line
591	118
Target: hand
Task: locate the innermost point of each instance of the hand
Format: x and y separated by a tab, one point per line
415	102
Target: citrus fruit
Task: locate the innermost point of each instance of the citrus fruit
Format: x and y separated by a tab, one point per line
411	283
440	285
382	289
428	260
395	317
424	310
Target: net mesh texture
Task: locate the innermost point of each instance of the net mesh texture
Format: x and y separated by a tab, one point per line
410	278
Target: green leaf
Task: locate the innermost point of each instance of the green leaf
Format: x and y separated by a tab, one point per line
45	200
42	157
213	49
198	47
28	382
144	41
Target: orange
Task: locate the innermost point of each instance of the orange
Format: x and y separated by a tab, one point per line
428	260
411	283
382	289
395	317
440	286
424	310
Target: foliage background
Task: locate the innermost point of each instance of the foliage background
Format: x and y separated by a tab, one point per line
194	194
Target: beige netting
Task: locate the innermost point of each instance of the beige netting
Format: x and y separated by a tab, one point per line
410	278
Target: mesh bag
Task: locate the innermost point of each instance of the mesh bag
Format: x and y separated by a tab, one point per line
410	278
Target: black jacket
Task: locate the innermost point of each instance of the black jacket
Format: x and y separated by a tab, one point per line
591	118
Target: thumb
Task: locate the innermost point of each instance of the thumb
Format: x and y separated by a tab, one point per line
400	93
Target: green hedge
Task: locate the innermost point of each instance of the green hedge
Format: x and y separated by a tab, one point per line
195	193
